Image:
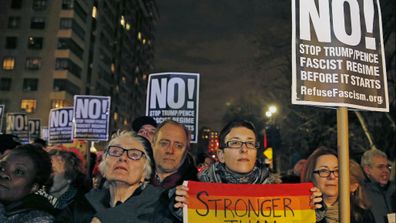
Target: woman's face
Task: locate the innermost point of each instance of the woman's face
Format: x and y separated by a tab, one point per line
241	159
123	169
58	165
16	177
328	185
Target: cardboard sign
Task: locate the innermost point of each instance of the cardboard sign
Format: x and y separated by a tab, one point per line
17	124
174	96
258	203
91	117
60	125
34	128
338	54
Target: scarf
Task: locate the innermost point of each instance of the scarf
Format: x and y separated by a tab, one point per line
219	173
332	213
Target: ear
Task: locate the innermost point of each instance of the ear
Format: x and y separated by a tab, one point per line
220	155
35	188
366	169
354	187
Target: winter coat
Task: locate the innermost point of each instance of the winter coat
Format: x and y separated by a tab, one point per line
31	209
381	199
148	205
187	171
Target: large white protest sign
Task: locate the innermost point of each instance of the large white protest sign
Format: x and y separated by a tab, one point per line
17	125
338	54
60	125
34	128
1	116
91	117
174	96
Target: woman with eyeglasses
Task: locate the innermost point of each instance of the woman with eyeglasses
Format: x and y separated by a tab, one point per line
238	163
129	197
322	170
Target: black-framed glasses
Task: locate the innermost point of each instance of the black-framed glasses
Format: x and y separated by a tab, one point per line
117	151
237	144
326	172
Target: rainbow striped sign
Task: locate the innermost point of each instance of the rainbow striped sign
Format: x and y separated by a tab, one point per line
248	203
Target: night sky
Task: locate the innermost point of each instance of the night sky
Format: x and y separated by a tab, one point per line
218	39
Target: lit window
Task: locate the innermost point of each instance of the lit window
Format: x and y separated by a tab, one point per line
60	103
33	63
115	116
139	36
125	122
94	12
30	84
8	63
29	105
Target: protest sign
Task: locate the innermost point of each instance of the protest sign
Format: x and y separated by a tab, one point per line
1	116
60	125
258	203
338	55
174	96
44	133
17	125
91	117
34	128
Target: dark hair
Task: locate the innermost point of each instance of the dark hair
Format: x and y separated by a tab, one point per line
234	124
307	173
41	161
8	141
72	163
41	142
143	120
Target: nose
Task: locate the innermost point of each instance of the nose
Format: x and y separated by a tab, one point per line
123	157
244	148
170	149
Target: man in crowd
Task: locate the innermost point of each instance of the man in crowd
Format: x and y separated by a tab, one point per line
173	164
145	126
379	189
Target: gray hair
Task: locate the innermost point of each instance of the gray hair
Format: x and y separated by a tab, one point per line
367	158
132	135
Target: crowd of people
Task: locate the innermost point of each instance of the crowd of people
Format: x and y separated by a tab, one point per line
139	177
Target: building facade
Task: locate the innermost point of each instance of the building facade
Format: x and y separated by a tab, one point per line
53	50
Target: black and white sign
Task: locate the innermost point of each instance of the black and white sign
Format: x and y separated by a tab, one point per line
2	107
91	117
60	125
174	96
17	124
34	128
338	54
44	133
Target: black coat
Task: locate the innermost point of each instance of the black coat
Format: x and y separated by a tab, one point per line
144	206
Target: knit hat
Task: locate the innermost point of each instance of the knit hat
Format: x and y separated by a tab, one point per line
143	120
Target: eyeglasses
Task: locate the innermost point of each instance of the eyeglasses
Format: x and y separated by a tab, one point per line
117	151
236	144
326	173
383	167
